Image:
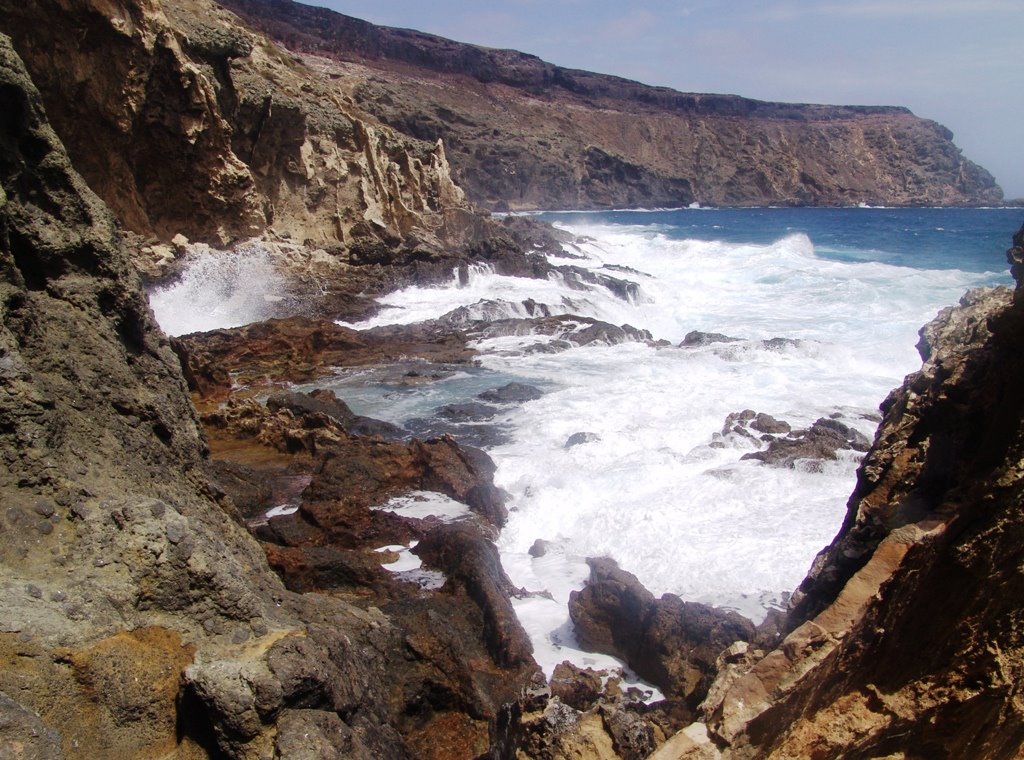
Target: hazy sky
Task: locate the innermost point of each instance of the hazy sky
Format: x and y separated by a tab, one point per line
958	62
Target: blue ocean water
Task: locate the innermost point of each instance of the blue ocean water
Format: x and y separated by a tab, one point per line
970	239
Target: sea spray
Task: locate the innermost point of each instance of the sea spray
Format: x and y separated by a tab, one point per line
219	289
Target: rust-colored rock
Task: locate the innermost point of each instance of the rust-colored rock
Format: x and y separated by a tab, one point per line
298	349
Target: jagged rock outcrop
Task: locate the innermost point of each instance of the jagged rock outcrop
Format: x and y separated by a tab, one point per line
140	618
672	643
197	126
905	636
523	133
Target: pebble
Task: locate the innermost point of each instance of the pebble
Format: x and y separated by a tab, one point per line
259	628
58	596
44	507
157	509
175	533
240	636
80	511
45	527
34	591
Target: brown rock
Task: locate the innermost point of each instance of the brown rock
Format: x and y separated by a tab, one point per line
471	561
585	140
298	349
672	643
580	688
821	441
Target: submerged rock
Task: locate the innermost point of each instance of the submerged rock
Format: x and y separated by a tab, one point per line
578	439
512	393
698	338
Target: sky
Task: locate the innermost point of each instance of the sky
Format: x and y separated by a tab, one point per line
958	62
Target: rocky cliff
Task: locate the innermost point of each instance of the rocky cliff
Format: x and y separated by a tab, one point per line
905	637
197	126
139	617
524	134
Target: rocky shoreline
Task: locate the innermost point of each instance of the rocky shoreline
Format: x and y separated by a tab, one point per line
200	561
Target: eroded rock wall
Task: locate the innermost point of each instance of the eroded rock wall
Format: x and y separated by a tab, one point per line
185	122
139	618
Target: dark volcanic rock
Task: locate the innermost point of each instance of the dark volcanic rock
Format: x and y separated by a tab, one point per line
512	393
765	423
484	436
470	411
820	441
578	687
471	561
672	643
632	736
697	338
578	439
325	402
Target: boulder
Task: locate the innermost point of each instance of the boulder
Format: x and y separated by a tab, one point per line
671	643
578	439
471	561
324	402
696	338
821	441
580	688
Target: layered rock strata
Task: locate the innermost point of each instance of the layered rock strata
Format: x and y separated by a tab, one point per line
523	133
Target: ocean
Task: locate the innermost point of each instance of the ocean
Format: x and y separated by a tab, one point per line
656	485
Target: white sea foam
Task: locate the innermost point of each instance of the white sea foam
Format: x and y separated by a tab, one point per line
649	490
219	289
424	504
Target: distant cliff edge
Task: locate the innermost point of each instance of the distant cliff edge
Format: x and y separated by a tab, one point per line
522	133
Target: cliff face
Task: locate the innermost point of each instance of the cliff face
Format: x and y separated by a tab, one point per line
197	126
906	634
139	618
523	133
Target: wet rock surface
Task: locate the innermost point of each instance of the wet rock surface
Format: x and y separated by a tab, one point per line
671	643
785	447
298	349
511	393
